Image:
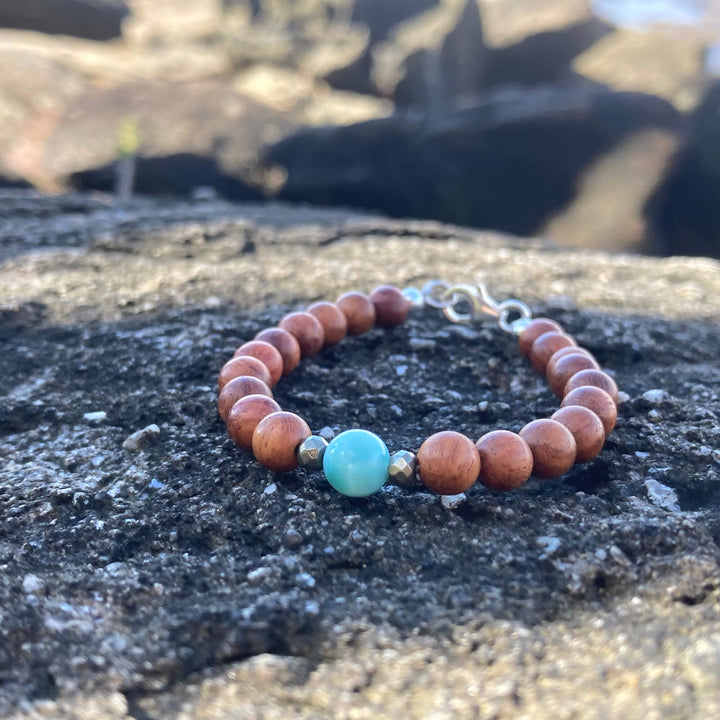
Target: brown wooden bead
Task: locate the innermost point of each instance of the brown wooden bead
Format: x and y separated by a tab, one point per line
359	311
552	445
586	428
391	306
332	319
266	353
307	331
545	346
506	460
448	463
275	440
243	366
596	400
244	416
533	331
565	368
594	378
238	388
569	350
285	343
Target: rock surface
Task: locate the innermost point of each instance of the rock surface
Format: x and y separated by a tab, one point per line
92	19
683	214
509	163
181	580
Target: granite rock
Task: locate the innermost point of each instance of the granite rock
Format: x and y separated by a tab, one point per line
161	583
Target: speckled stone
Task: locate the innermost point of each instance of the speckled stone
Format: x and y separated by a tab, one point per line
141	603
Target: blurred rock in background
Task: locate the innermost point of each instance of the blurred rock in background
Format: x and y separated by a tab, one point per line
583	123
92	19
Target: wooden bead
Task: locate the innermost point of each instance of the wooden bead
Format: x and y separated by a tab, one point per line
332	319
307	331
552	445
565	368
533	331
265	353
244	416
359	311
276	438
243	366
448	463
569	350
586	428
593	378
506	460
391	306
285	343
238	388
546	346
596	400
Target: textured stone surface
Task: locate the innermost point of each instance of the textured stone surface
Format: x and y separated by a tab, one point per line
181	580
92	19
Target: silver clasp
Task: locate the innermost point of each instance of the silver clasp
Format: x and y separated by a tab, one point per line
452	299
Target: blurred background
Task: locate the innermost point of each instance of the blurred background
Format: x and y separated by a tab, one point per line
594	124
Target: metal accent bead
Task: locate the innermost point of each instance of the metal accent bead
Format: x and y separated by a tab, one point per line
520	325
402	469
310	452
414	296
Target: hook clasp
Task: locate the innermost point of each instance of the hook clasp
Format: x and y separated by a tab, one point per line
480	303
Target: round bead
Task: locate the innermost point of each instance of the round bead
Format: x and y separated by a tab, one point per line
238	388
244	366
414	296
359	311
520	325
533	331
552	445
285	343
244	416
307	331
391	306
585	427
265	353
310	452
565	368
545	346
596	400
332	319
276	438
448	463
403	469
356	463
506	460
569	350
593	378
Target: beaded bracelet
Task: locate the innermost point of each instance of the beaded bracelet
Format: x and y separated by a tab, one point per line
357	462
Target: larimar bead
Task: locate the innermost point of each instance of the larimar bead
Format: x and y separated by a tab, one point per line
356	463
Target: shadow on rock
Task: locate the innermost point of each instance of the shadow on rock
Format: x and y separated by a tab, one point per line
178	174
508	163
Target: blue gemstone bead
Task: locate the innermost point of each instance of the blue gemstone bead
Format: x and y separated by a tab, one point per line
356	463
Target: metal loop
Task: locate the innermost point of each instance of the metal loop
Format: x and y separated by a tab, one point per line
434	293
512	305
457	294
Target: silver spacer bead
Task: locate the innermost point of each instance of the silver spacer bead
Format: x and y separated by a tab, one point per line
519	325
414	296
402	469
310	452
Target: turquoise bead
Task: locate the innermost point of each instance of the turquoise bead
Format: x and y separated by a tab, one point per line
356	463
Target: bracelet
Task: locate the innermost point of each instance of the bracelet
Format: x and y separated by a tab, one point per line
357	462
